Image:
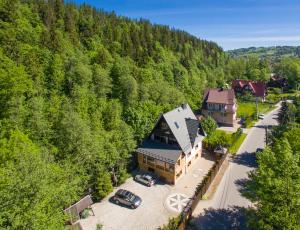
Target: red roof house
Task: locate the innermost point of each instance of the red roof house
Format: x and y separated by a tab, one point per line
257	88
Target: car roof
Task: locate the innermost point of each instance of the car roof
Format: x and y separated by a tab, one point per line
147	176
124	192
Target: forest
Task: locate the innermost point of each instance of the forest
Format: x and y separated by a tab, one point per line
79	89
273	53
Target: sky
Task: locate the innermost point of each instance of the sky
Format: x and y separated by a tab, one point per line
231	23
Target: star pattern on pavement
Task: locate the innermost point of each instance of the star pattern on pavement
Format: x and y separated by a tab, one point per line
177	202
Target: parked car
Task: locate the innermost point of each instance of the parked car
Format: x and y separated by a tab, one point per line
261	116
127	198
145	179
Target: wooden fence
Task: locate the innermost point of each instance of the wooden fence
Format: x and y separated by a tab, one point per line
200	191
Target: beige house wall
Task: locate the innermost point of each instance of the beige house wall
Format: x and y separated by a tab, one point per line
228	119
164	170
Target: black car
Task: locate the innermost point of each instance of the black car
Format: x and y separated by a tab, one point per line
127	198
145	179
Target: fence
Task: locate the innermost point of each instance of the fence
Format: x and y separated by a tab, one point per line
200	191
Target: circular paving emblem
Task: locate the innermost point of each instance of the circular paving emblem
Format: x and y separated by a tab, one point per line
197	173
177	202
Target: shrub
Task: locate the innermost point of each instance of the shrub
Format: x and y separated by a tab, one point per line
248	122
217	138
209	125
122	176
104	185
99	227
172	224
85	214
237	134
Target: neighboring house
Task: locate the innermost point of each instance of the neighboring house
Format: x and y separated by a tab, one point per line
173	145
277	81
256	88
221	105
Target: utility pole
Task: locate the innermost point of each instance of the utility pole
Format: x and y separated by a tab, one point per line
266	129
256	108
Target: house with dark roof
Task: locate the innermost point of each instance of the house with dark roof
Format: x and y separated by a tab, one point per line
277	81
256	88
173	145
221	105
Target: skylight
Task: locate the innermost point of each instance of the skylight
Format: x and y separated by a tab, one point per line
176	124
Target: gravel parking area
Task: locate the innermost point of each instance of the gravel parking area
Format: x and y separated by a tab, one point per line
160	202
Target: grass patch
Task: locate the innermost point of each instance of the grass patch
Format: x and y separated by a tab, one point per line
236	145
275	97
248	109
230	140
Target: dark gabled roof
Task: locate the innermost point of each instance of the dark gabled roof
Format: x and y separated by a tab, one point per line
219	96
184	126
160	151
192	126
176	119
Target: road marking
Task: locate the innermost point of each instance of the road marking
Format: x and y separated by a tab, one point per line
176	202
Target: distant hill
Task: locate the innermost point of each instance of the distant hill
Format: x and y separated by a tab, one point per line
273	53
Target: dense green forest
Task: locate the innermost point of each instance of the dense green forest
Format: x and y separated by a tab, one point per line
255	68
79	89
273	53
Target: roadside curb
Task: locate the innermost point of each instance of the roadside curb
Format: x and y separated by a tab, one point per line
214	186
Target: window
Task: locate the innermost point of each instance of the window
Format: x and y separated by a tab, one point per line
160	163
164	125
171	168
150	160
176	124
160	167
178	174
144	159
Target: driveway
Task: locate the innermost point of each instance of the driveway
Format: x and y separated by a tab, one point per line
160	202
226	209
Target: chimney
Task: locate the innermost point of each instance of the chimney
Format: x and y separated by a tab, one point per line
183	106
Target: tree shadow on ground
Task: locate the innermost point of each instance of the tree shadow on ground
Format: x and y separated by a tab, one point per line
246	159
209	156
263	126
243	188
232	218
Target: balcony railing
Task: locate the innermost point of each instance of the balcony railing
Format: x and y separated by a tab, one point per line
227	109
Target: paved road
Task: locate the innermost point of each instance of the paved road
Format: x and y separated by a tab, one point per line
225	209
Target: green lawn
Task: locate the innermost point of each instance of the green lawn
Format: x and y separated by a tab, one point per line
236	145
225	139
248	109
275	97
